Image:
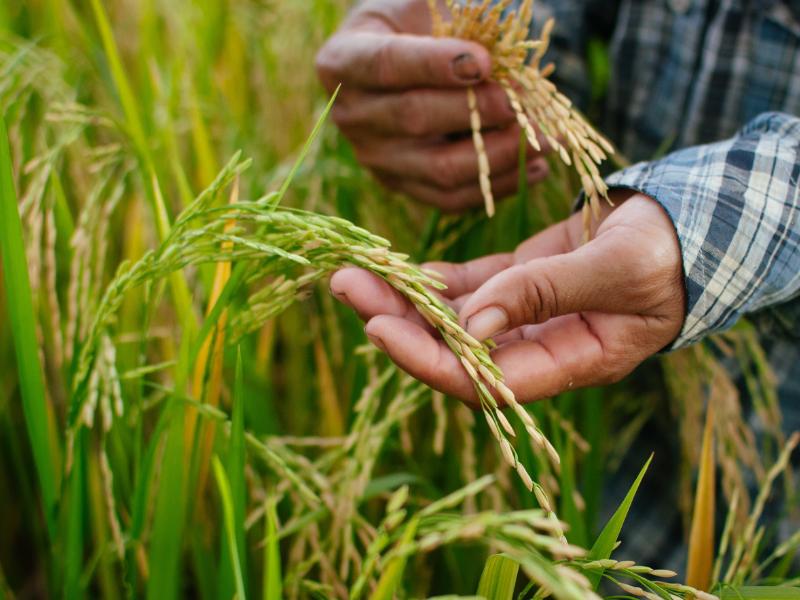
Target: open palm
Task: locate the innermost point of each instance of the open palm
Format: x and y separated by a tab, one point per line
563	315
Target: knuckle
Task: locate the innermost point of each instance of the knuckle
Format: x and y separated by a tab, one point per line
382	64
443	171
539	299
411	114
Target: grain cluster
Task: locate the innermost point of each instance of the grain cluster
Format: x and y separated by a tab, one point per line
516	66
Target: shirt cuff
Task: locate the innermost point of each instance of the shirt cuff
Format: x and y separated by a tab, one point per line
735	208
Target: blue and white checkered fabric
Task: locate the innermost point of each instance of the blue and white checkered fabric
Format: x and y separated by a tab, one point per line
735	206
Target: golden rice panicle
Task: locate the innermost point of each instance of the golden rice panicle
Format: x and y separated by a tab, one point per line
534	99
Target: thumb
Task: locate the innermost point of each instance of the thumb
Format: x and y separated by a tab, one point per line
610	274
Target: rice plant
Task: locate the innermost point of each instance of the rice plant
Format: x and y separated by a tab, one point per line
186	412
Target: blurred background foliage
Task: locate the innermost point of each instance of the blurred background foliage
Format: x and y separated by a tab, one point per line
112	147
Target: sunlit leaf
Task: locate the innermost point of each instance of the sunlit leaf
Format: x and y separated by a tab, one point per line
499	578
760	592
230	526
393	572
22	317
238	489
167	533
608	537
701	539
273	582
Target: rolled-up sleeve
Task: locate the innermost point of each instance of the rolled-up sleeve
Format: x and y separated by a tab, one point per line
735	208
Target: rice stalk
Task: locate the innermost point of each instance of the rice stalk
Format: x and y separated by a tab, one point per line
741	561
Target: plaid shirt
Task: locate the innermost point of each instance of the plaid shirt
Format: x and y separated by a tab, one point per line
696	72
717	81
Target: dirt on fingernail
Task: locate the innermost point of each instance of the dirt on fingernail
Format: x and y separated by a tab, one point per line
466	67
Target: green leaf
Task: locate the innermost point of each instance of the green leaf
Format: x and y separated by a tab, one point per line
126	95
456	597
760	592
388	483
279	197
133	120
230	525
608	537
499	578
165	549
75	512
144	477
393	571
273	583
22	317
238	489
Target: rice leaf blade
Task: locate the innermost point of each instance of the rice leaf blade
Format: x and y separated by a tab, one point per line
760	592
238	491
273	583
300	158
498	578
22	317
165	549
180	290
230	527
701	539
393	573
75	511
126	96
608	537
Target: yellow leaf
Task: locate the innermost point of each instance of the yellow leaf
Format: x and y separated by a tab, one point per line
701	539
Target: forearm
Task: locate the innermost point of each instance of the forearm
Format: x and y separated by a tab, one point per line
735	208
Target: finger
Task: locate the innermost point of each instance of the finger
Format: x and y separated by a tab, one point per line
381	61
464	278
468	196
620	273
445	165
369	296
420	355
420	112
565	236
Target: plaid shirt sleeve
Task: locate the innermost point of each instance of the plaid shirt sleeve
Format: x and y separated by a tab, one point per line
735	206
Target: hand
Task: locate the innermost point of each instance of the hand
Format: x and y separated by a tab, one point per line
403	106
564	316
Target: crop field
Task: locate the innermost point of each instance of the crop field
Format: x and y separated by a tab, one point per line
187	412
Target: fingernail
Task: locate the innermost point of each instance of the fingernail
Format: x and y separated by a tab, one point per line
466	67
376	340
487	323
341	297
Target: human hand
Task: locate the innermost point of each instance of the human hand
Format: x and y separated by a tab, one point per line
564	316
403	106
